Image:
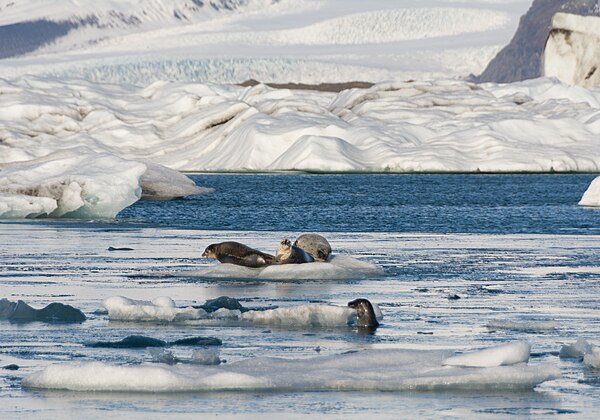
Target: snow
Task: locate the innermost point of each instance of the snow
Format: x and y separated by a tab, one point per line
591	196
368	370
504	354
540	125
338	267
572	50
164	310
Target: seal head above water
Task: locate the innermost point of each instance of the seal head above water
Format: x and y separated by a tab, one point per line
238	254
290	254
365	314
316	245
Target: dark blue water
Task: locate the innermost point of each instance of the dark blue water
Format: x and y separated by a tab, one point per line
380	203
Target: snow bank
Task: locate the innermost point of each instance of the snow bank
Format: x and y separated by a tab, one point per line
369	370
338	267
164	310
504	354
591	196
444	126
572	52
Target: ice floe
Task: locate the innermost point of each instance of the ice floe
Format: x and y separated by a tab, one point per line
576	350
20	311
504	354
164	310
539	125
368	370
338	267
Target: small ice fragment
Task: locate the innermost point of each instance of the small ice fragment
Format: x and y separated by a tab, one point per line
592	359
576	350
163	356
504	354
209	357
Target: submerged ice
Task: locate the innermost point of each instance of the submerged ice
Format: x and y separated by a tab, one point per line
367	370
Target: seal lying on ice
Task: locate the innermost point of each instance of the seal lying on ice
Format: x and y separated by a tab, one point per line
290	254
365	313
238	254
316	245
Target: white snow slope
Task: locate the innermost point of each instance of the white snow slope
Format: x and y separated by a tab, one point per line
311	41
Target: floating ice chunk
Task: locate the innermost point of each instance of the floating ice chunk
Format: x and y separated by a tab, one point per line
339	267
79	183
576	350
160	355
369	370
306	315
522	325
311	315
504	354
592	359
160	182
206	357
123	309
591	196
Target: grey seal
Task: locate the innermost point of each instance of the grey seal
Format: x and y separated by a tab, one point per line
316	245
365	313
238	254
290	254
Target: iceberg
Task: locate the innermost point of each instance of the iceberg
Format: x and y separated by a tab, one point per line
367	370
70	183
83	184
591	196
572	51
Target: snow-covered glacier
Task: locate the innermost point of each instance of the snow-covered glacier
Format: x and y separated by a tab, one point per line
540	125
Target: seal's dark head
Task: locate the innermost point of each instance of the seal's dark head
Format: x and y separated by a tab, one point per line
210	251
365	313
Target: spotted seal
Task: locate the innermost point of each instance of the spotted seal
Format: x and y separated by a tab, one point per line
365	313
290	254
238	254
316	245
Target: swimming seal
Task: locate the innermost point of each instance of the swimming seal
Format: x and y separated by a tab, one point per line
365	313
316	245
290	254
238	254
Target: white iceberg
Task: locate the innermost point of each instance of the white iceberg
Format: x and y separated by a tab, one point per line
504	354
338	267
80	183
70	184
163	309
591	196
368	370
